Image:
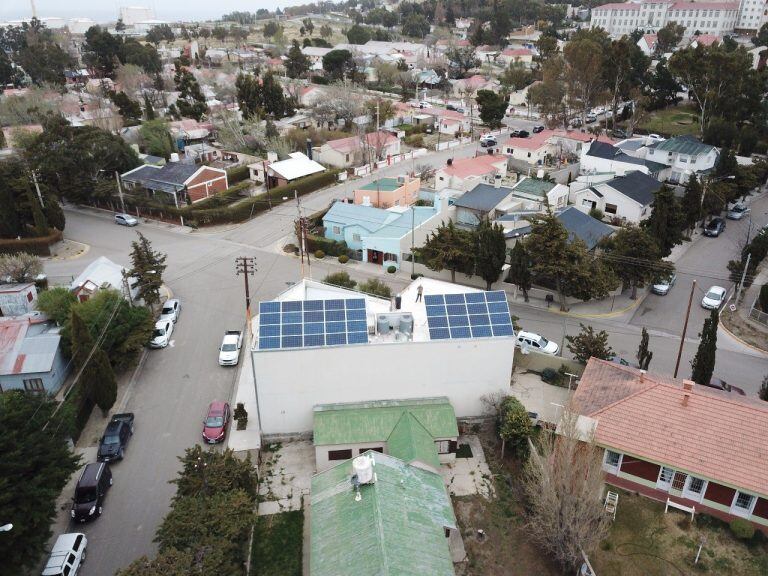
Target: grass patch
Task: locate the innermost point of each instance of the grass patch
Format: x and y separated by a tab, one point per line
464	451
277	541
673	121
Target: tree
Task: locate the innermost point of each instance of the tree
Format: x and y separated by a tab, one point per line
338	64
548	95
520	269
583	67
147	267
56	303
358	34
224	472
563	482
326	31
666	221
450	248
120	25
634	256
271	29
690	205
160	33
35	464
490	251
156	138
297	64
668	37
340	279
308	26
191	102
380	109
662	88
416	26
588	344
492	107
34	51
461	60
763	298
149	111
20	267
703	363
644	355
376	287
249	95
98	379
514	427
516	77
129	109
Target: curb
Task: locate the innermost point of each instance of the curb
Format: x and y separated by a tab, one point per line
83	252
613	314
742	342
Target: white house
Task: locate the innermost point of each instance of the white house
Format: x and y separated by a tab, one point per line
320	344
509	56
685	155
628	197
648	44
358	150
466	173
603	157
103	274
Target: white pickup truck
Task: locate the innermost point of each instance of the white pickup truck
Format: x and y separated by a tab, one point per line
229	351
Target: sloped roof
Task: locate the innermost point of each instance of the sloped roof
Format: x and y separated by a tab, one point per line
584	227
534	187
396	529
297	166
406	222
372	139
101	271
684	145
607	151
477	166
22	353
648	416
411	442
483	197
636	185
366	217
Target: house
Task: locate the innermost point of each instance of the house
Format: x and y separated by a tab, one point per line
466	173
381	513
17	299
550	145
389	192
449	121
381	236
510	56
536	194
30	355
685	155
650	428
705	40
483	202
354	346
423	429
648	44
279	173
468	87
533	150
358	150
181	181
627	197
103	274
312	94
580	226
604	157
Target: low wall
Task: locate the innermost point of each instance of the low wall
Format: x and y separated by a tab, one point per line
537	362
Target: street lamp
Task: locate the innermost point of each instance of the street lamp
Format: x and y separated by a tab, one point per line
6	527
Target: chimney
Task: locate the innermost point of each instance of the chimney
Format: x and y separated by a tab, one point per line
497	181
687	389
642	376
309	148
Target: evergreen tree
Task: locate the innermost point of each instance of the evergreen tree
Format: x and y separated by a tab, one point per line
490	251
514	426
665	223
81	341
99	378
450	248
726	163
191	102
703	363
149	110
634	257
763	392
41	223
273	97
520	269
588	343
297	64
249	95
643	354
147	267
492	107
691	203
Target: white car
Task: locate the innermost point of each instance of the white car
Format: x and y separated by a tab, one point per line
67	555
229	351
162	334
714	298
661	286
171	310
425	104
126	220
536	342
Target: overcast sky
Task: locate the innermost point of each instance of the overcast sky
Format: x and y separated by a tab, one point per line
107	10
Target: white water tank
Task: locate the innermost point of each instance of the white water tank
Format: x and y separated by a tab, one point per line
406	323
174	156
363	468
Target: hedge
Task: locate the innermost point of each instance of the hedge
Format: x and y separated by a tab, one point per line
330	247
40	245
238	174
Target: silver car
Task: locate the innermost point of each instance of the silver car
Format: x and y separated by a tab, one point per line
126	220
661	286
737	212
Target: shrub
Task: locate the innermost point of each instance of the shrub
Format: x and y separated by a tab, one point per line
238	174
343	259
319	254
596	213
292	248
241	416
376	287
392	269
742	529
330	247
548	375
415	140
41	246
340	279
416	275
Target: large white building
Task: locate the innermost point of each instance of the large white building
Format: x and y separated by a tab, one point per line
752	15
717	18
320	344
131	15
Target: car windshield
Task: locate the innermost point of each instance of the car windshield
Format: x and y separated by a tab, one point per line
543	342
228	348
214	422
167	310
84	495
158	332
738	208
714	295
112	439
714	224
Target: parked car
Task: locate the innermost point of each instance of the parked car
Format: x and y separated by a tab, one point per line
619	133
126	220
67	556
575	123
113	442
719	384
458	109
591	118
215	423
171	310
662	285
523	134
487	140
536	342
425	104
90	491
737	212
538	128
229	351
162	334
450	107
714	298
714	227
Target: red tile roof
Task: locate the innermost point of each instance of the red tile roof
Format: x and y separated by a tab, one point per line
478	166
517	52
718	436
373	139
707	39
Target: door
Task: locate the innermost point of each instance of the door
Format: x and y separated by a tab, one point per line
665	478
678	483
694	488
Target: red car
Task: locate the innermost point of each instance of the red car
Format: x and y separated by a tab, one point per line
215	423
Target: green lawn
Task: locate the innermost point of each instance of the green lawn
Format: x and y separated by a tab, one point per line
277	542
673	121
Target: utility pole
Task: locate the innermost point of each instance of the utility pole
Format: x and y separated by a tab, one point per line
685	328
302	236
246	266
120	191
743	276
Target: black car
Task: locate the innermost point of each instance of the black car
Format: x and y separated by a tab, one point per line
714	227
116	436
450	107
90	491
537	129
523	134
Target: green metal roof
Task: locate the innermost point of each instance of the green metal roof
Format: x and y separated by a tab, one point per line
411	442
374	421
396	529
684	145
534	186
383	185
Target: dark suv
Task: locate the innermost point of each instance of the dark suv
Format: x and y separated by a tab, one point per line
116	436
90	491
714	227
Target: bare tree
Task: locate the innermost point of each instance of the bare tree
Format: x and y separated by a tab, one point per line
20	267
563	481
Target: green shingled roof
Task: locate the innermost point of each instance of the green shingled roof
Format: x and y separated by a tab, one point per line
684	145
362	422
410	442
534	186
396	529
382	184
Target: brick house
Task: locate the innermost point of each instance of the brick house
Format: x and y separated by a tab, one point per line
672	439
182	181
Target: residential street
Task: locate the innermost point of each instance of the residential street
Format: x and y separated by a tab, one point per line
172	388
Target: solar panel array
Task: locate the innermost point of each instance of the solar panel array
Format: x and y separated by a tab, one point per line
470	315
304	324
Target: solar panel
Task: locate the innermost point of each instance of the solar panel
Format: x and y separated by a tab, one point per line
471	315
310	323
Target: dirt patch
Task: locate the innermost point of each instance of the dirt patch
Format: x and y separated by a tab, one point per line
745	330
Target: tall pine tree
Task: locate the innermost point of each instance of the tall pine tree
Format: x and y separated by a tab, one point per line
690	206
644	355
149	110
520	269
147	267
665	223
703	364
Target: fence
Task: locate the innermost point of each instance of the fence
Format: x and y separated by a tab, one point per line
453	143
366	169
758	315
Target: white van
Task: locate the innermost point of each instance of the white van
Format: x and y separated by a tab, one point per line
67	556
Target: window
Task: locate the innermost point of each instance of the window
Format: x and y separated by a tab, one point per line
34	385
66	570
379	449
666	474
611	208
443	446
696	485
612	461
356	237
78	541
29	297
346	158
71	559
340	454
337	229
743	504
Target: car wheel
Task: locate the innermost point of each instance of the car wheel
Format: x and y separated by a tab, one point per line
82	558
101	509
120	454
111	481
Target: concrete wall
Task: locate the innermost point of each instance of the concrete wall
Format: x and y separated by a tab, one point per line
322	462
291	382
